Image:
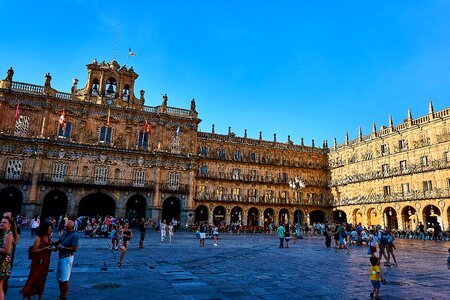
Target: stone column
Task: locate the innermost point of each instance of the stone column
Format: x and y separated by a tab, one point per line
227	215
261	218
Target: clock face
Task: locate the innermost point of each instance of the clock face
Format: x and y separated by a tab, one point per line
109	101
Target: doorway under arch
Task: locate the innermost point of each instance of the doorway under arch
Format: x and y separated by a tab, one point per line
201	214
316	216
432	216
339	216
219	214
409	218
11	200
300	220
373	217
358	217
268	217
97	204
136	207
283	216
253	217
236	215
171	209
390	215
55	204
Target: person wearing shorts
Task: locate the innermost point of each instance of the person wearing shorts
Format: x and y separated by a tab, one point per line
67	245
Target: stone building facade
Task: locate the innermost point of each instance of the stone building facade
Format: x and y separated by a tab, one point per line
396	176
100	150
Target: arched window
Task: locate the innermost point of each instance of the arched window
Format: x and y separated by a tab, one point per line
111	88
94	87
126	93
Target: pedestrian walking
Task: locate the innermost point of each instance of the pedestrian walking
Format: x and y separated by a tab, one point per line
383	241
126	236
215	234
390	248
40	261
163	230
421	229
287	235
34	224
202	235
142	229
6	248
281	231
375	277
327	234
372	251
342	243
67	245
15	229
171	231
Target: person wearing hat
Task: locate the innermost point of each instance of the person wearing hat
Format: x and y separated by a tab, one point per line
67	245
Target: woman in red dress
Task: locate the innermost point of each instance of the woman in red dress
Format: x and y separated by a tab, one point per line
40	260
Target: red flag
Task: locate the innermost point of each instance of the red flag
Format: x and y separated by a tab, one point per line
61	119
147	127
18	111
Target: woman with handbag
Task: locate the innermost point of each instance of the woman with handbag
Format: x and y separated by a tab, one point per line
40	261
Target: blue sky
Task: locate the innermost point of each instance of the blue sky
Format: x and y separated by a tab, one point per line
311	69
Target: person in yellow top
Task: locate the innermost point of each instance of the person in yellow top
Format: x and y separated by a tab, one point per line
375	277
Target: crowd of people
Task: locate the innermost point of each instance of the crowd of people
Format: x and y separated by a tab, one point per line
380	243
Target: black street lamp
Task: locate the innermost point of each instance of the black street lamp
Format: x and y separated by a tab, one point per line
297	184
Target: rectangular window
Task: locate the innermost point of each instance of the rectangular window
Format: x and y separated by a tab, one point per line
202	189
220	154
204	151
143	139
203	170
237	155
402	145
64	131
448	182
447	156
236	193
253	175
405	188
424	161
174	180
59	172
387	190
14	169
384	149
253	157
427	186
403	168
252	194
283	195
101	175
236	174
139	178
385	169
22	124
105	134
284	178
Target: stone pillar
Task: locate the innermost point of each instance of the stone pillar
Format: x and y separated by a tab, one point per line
244	217
276	217
227	215
261	218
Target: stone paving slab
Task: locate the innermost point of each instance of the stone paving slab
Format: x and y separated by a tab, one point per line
240	267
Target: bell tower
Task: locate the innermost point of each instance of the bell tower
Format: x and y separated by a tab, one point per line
111	84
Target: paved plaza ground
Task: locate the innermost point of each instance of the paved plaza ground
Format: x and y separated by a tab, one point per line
241	267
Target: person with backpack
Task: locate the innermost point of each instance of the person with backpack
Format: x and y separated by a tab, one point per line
383	241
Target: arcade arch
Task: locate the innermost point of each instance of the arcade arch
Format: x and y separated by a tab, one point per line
219	214
171	209
201	214
316	216
268	216
11	200
97	204
136	207
55	204
253	217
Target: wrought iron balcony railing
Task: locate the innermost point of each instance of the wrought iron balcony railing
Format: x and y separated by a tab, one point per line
396	197
15	177
173	188
228	198
410	169
86	181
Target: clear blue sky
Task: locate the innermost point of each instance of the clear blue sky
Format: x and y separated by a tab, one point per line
312	69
